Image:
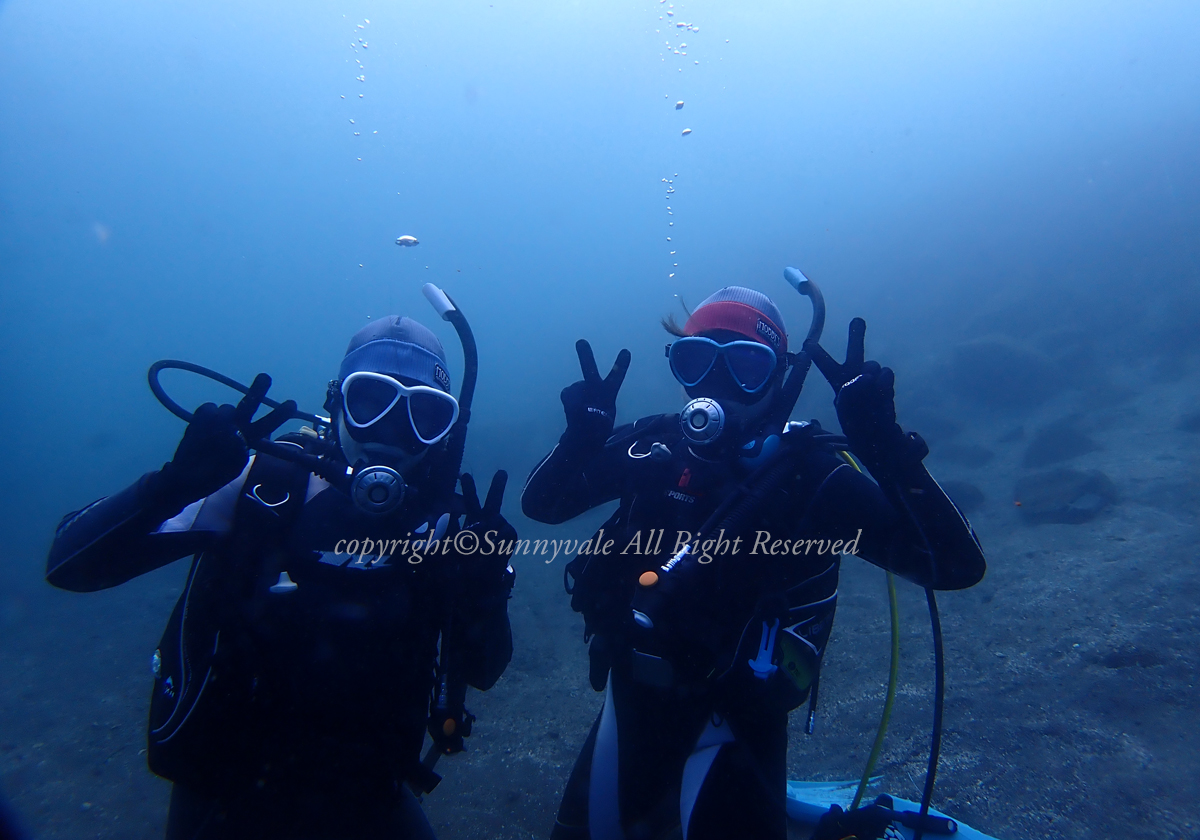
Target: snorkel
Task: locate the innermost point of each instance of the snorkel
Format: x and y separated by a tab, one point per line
374	488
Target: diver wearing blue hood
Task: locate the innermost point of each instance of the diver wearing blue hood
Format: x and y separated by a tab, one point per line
708	596
296	677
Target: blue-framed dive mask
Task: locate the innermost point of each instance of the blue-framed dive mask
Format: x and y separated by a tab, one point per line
750	363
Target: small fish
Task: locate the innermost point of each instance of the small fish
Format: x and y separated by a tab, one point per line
407	241
686	132
678	104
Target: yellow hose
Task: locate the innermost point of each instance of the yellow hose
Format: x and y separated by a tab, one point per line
893	672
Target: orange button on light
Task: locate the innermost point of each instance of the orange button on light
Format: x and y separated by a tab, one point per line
648	578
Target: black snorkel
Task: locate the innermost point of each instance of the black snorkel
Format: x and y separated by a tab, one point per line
456	441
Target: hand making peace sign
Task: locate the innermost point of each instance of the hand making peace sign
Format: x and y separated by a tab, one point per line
591	404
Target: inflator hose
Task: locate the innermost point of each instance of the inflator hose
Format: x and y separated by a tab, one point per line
939	693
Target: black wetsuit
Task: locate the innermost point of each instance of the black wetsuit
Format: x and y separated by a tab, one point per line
293	711
689	736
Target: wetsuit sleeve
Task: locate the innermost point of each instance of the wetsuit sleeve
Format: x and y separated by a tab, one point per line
133	532
905	523
575	477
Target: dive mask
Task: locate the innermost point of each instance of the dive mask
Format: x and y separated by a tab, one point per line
750	363
381	408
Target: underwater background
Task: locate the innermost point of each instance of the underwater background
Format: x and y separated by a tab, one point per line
1008	193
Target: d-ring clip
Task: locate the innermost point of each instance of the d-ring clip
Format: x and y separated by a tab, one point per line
254	494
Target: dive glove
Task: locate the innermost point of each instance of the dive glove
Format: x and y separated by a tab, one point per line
865	399
591	404
216	446
494	536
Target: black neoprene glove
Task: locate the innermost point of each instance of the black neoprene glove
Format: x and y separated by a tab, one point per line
491	531
214	449
867	823
865	399
591	404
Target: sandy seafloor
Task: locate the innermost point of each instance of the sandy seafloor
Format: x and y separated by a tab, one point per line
1071	707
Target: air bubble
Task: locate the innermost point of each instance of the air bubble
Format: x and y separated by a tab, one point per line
361	78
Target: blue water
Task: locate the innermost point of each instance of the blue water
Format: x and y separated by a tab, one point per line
223	182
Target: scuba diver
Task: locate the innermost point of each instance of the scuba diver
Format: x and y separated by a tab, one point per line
301	666
708	596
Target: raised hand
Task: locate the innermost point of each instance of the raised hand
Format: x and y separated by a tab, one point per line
488	514
261	429
865	399
591	404
216	444
839	374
